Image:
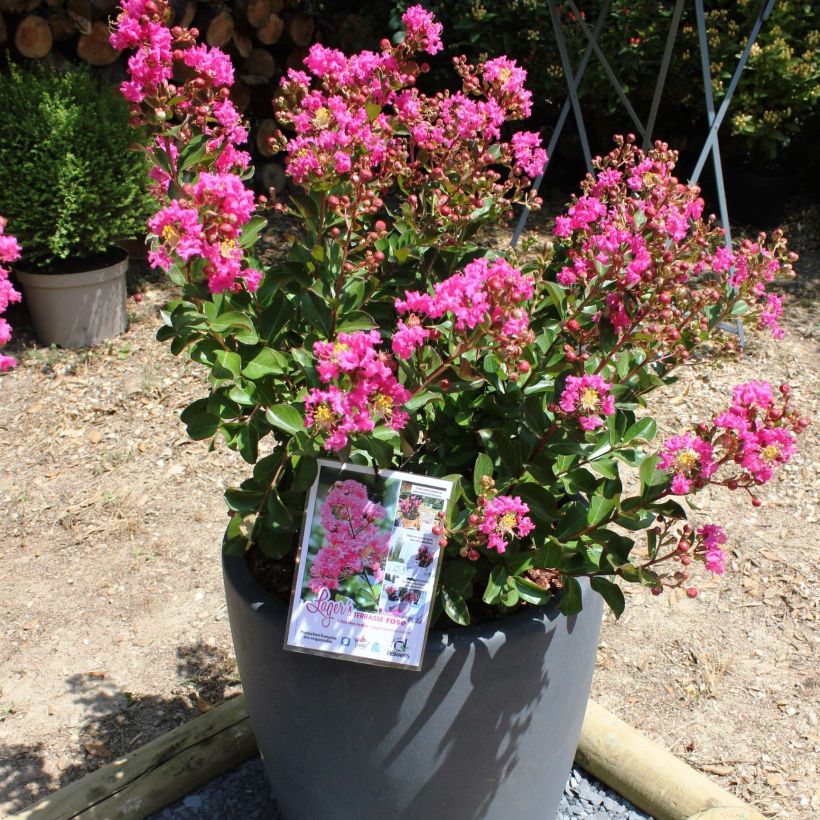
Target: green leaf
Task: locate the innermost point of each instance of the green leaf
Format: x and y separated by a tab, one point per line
644	428
285	417
228	365
573	518
610	592
199	423
599	508
244	501
304	474
605	467
268	361
650	477
456	607
483	467
543	507
457	576
531	592
495	583
251	231
558	296
571	597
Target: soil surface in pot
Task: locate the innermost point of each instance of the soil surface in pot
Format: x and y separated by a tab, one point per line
114	626
76	264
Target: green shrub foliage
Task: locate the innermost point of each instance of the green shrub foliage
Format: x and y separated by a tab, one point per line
71	184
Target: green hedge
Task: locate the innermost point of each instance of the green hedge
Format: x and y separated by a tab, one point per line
71	181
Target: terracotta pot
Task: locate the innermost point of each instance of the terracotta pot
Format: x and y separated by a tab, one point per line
77	309
487	729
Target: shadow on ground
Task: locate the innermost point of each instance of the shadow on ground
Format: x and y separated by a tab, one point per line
117	722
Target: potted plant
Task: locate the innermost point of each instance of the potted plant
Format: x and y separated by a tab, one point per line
392	338
72	185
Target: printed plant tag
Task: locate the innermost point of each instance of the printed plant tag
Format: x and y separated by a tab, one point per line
367	565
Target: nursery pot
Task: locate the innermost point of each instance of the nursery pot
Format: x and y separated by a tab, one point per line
488	728
77	309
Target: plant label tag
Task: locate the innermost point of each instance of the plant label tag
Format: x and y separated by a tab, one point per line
367	565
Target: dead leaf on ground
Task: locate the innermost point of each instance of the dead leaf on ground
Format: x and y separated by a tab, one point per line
97	749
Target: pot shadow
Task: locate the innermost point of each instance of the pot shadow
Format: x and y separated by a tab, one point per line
502	681
116	723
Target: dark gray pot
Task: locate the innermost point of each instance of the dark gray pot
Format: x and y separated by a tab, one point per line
488	728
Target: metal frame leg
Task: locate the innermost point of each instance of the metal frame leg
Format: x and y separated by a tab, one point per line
706	71
572	83
573	90
664	70
711	137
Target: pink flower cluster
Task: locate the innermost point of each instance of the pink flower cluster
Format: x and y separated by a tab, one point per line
756	434
688	458
366	391
711	538
205	216
423	32
637	234
367	118
355	542
502	519
9	252
487	293
589	398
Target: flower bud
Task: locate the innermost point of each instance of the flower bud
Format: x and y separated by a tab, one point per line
692	592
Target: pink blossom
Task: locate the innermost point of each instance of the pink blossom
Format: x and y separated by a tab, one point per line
712	538
505	517
772	311
408	336
180	232
9	252
688	458
486	293
763	450
423	32
589	398
528	152
366	390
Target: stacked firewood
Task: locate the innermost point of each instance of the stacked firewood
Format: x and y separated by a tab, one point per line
262	37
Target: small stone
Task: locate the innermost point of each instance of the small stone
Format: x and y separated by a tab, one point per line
193	801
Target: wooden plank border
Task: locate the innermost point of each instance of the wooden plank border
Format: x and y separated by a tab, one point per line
196	752
162	771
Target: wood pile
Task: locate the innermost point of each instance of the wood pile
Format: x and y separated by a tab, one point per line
262	37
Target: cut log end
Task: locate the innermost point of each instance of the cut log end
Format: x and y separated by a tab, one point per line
264	131
272	177
33	37
271	31
94	47
220	30
301	29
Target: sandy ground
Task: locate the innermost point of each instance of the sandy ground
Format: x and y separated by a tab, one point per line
113	618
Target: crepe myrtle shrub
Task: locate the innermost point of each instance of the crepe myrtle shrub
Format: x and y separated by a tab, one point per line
71	182
389	337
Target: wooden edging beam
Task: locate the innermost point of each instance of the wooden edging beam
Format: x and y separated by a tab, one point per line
649	776
158	773
196	752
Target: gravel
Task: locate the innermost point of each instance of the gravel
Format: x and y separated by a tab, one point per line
244	793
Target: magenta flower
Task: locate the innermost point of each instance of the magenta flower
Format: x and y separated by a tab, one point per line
589	399
711	538
367	392
504	518
763	450
422	30
529	154
688	458
487	292
9	252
